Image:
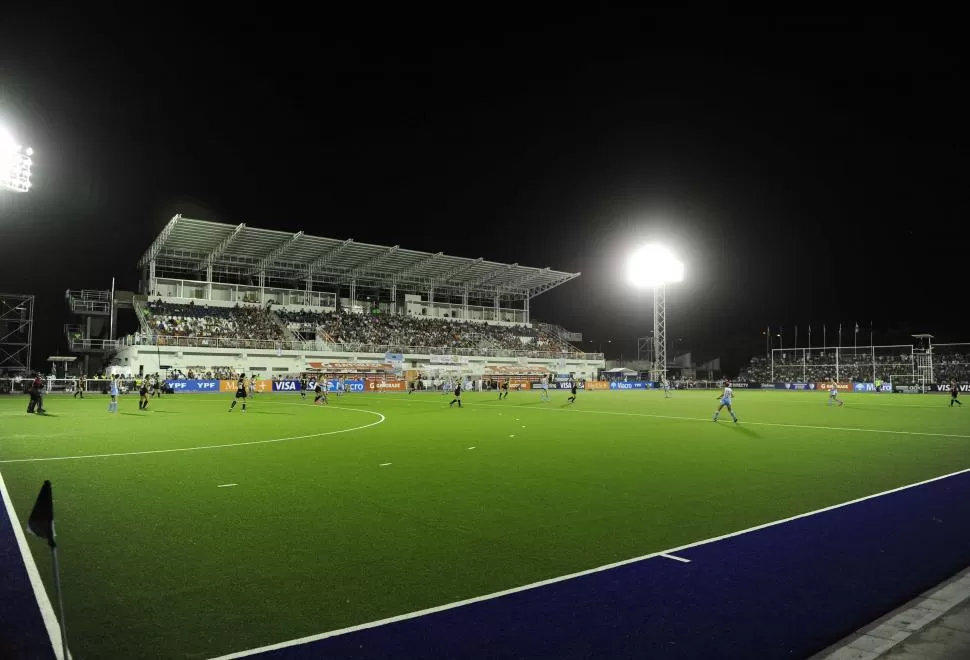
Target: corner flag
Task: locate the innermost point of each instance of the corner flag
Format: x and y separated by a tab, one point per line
41	521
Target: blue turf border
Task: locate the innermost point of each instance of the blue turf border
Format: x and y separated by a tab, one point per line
784	591
22	630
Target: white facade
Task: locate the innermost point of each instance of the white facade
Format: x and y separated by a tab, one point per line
264	363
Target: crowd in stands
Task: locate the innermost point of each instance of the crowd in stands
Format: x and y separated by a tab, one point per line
391	332
857	367
191	320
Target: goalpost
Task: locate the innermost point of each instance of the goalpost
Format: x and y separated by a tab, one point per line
907	383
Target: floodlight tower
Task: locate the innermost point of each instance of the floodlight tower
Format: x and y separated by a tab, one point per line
15	164
655	266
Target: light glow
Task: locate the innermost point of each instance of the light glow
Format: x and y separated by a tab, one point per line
15	164
654	265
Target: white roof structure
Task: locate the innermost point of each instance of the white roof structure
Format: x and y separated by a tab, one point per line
239	251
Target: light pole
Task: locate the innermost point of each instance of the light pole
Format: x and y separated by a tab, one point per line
655	266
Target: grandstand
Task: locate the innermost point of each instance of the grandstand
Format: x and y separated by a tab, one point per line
264	301
925	366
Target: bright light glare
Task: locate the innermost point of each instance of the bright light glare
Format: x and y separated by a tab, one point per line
654	265
15	164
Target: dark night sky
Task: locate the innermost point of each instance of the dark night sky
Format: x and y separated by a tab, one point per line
807	170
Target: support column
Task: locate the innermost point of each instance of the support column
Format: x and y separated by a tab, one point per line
431	300
498	303
208	282
353	293
464	304
308	294
262	287
394	298
152	284
525	310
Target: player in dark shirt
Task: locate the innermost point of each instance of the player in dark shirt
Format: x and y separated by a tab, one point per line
143	395
457	398
954	393
572	391
304	386
241	387
504	391
79	388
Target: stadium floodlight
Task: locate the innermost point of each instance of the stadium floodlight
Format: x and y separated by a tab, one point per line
655	266
15	164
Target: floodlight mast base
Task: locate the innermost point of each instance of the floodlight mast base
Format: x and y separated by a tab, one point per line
659	372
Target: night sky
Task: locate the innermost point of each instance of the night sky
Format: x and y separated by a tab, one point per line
807	170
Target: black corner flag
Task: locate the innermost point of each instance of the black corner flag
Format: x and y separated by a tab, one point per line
41	521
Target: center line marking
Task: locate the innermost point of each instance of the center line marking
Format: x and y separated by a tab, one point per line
384	464
674	557
471	447
226	485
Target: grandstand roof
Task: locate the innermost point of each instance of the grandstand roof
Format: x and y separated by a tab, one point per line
240	250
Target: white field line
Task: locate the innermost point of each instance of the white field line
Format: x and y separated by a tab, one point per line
43	602
707	420
562	578
223	446
674	557
226	485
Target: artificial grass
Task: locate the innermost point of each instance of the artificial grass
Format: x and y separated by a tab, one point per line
158	561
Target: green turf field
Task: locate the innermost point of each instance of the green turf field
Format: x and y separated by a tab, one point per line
316	534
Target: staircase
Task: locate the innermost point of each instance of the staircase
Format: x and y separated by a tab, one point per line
558	336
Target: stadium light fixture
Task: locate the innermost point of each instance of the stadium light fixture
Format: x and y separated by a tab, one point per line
15	164
656	266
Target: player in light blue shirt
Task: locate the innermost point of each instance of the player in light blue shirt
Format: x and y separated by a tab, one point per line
726	399
834	393
113	406
666	386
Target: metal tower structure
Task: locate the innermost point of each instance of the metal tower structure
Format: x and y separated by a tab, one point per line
660	333
16	332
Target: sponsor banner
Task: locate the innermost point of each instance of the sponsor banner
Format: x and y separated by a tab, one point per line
632	385
746	386
795	386
563	377
597	385
385	385
294	385
185	385
393	357
566	386
869	387
945	387
520	384
449	359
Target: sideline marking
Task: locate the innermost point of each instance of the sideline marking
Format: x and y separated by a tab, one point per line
707	420
674	557
43	602
226	485
570	576
181	449
384	464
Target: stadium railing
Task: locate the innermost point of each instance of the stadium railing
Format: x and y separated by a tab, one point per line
265	344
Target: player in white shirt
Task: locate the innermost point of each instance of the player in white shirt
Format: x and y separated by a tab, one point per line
113	404
834	393
544	386
666	385
726	398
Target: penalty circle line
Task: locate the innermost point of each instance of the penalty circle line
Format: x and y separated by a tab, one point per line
381	420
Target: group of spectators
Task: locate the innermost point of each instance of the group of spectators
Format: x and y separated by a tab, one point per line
191	320
856	367
396	333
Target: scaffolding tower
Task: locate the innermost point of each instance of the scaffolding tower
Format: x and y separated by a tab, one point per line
16	332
